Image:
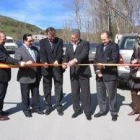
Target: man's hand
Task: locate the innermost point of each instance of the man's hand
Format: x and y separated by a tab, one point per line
28	63
72	62
55	63
100	75
25	64
134	61
46	66
22	63
64	65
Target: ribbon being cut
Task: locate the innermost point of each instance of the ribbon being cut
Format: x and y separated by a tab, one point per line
5	66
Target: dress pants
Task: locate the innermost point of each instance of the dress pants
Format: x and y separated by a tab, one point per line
25	94
81	84
104	88
3	89
58	85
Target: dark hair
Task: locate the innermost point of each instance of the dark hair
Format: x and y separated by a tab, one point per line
25	36
109	34
50	29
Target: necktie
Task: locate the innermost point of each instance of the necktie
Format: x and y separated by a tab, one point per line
104	48
51	45
32	54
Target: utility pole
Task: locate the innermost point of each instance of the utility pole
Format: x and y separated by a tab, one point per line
109	20
109	15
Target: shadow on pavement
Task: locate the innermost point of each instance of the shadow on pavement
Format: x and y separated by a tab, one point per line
120	100
67	102
94	102
15	109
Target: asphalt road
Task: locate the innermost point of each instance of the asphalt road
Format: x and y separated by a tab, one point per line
55	127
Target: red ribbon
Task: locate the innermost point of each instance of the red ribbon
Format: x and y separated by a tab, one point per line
3	65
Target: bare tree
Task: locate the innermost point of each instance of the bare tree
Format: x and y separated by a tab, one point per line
66	32
93	16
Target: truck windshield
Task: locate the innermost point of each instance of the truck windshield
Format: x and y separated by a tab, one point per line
9	41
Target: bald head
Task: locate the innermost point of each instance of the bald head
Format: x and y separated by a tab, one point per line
2	38
105	37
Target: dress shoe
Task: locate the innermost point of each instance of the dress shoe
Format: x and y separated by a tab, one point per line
48	111
99	114
60	112
133	112
4	113
138	118
3	118
76	114
114	117
27	113
88	116
38	112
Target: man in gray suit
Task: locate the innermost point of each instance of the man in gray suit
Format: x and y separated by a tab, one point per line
77	52
29	77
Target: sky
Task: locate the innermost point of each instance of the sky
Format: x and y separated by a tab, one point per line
42	13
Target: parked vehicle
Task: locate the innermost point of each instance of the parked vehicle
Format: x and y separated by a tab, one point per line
10	44
92	51
117	38
39	37
126	44
19	43
36	44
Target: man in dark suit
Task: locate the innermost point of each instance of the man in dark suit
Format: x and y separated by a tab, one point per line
77	52
51	52
106	77
29	77
5	74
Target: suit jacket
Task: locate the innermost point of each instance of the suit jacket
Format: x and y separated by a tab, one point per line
32	74
135	55
81	54
51	54
5	74
110	55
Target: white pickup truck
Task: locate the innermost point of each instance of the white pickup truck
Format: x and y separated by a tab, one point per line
10	44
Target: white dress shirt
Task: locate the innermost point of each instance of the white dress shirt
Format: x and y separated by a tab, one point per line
31	52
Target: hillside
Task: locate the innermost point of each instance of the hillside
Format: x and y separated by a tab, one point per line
15	28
